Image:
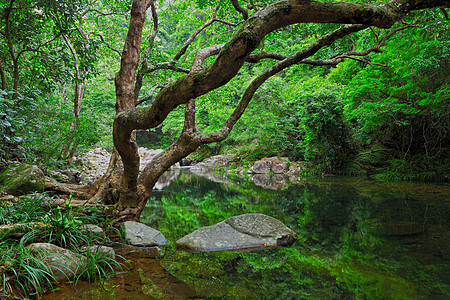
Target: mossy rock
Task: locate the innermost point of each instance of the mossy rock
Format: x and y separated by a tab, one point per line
20	179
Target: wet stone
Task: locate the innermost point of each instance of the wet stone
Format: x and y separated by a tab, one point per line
239	233
138	234
137	252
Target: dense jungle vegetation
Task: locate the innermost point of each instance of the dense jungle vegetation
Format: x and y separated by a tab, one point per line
385	113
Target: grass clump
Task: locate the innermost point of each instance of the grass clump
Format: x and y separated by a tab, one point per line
23	273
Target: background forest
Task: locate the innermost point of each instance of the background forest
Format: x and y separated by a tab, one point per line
385	114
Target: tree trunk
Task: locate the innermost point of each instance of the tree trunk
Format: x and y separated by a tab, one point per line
11	51
3	78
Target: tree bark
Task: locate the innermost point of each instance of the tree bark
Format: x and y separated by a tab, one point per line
124	81
3	78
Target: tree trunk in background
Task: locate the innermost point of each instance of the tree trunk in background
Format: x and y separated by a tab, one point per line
3	78
79	93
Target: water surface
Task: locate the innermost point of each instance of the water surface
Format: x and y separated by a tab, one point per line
358	239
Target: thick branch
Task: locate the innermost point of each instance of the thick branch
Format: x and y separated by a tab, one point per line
256	57
229	61
166	65
445	13
155	29
189	110
144	65
124	91
10	45
3	78
145	69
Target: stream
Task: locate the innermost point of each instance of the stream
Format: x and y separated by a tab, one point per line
358	239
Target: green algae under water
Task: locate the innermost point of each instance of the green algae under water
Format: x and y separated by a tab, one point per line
358	239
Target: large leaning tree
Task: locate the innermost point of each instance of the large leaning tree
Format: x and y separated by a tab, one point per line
129	189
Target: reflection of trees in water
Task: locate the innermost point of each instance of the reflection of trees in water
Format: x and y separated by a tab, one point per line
326	213
340	254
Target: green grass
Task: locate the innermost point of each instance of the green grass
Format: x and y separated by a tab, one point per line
24	273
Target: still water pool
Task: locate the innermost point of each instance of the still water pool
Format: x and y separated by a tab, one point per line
358	239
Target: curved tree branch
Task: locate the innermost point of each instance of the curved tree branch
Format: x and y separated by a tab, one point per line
237	50
256	57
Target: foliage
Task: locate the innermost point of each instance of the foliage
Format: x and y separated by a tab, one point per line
404	106
326	136
26	274
12	121
21	272
26	209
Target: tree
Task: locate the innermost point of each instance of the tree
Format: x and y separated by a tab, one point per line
128	189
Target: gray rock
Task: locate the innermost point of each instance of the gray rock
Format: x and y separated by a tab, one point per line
94	229
138	234
60	177
95	163
74	176
277	165
19	179
260	167
107	251
239	233
213	162
146	156
63	264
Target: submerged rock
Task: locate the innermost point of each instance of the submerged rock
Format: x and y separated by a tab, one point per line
138	234
137	252
274	182
239	233
20	179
